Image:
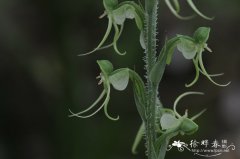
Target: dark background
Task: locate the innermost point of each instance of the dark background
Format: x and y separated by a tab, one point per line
41	77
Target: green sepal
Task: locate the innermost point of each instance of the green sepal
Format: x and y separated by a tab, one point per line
105	66
201	35
110	5
188	126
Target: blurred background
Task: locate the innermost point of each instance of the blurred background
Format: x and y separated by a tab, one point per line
41	77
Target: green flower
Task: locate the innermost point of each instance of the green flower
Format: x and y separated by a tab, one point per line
117	14
119	80
193	48
106	69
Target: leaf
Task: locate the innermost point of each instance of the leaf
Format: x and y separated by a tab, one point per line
119	79
168	121
105	66
138	138
163	141
187	48
163	59
157	72
201	35
139	93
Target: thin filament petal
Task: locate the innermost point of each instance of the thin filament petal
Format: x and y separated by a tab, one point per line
180	97
87	116
196	76
109	28
110	45
106	106
176	5
206	74
192	5
212	75
116	37
175	12
198	115
89	108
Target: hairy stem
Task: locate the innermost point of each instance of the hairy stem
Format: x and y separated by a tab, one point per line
150	59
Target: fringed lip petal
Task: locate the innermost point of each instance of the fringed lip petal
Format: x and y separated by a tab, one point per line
175	12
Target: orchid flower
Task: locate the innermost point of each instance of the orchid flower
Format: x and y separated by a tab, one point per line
119	80
117	14
193	48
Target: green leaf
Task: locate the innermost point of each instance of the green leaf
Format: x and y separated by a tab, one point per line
168	121
168	49
110	5
157	72
119	79
139	93
163	59
138	138
201	35
105	66
163	141
187	47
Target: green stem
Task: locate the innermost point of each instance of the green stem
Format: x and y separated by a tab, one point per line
150	59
